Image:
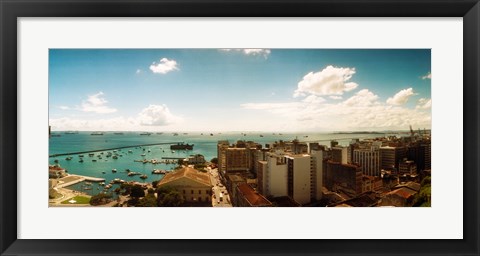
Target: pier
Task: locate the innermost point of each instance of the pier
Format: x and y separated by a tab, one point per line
74	179
107	149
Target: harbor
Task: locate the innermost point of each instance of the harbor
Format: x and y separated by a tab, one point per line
116	148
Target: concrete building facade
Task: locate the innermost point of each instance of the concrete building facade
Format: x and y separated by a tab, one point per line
369	161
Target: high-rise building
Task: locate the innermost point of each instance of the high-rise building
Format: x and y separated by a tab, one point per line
261	176
340	154
222	147
276	176
237	158
346	178
390	157
318	157
369	160
299	177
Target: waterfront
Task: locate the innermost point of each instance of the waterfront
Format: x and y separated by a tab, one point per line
205	144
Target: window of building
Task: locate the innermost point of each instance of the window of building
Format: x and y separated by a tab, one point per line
184	191
200	199
199	192
192	192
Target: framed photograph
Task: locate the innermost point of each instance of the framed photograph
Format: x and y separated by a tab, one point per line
338	110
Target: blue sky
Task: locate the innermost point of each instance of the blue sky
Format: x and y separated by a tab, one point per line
290	90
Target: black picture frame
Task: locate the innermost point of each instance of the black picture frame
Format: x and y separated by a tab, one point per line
10	10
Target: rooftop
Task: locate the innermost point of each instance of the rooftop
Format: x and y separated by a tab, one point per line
403	192
411	185
252	196
187	172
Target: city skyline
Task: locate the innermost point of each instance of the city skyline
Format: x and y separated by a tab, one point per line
280	90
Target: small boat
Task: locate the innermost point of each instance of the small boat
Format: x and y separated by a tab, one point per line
127	170
55	161
104	172
143	177
80	161
96	133
146	133
80	155
130	151
88	188
101	183
68	158
114	170
91	154
94	160
173	151
115	157
118	133
143	154
211	134
261	135
175	134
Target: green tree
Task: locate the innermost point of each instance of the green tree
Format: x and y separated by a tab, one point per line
169	197
100	199
423	197
148	201
214	160
137	191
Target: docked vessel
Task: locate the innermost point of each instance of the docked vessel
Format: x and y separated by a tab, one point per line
96	133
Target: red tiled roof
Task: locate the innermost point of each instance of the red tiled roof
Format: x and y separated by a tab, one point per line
253	197
189	173
403	192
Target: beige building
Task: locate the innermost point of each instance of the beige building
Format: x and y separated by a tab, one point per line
195	186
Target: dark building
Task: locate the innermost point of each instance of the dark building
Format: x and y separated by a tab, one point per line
344	177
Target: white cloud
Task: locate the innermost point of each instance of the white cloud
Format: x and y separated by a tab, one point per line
313	99
335	97
96	103
138	71
164	66
362	111
362	98
424	103
64	107
253	52
401	97
110	124
153	116
156	115
427	76
329	81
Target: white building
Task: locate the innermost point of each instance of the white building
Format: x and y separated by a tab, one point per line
299	177
276	175
369	160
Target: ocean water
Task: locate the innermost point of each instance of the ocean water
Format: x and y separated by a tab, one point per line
204	144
